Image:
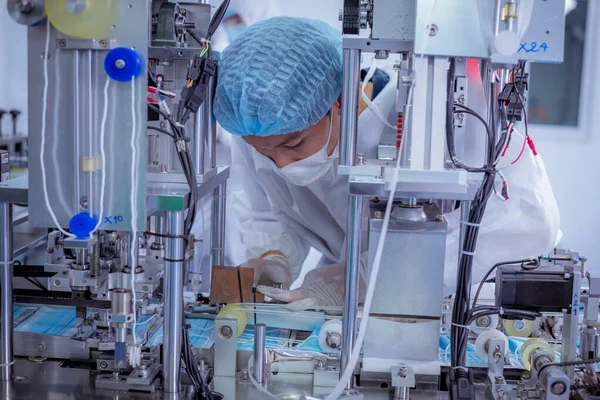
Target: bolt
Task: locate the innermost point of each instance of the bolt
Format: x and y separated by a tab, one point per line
120	64
57	283
103	44
226	332
461	116
334	340
499	380
483	322
501	392
519	325
103	364
163	168
121	364
62	43
403	372
433	30
244	375
41	347
26	7
83	202
360	159
378	215
497	354
320	366
558	388
461	99
144	288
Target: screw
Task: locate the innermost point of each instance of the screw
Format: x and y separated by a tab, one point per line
120	64
57	283
334	340
103	44
121	364
382	54
62	43
360	159
41	347
483	322
499	380
519	325
558	388
378	215
244	375
103	365
226	332
433	30
403	372
320	366
461	99
83	202
26	7
163	168
144	288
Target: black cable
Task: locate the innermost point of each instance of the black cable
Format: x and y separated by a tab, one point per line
167	236
154	128
535	262
35	283
195	36
217	18
239	273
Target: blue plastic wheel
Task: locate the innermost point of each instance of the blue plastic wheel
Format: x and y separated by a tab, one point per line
82	224
123	64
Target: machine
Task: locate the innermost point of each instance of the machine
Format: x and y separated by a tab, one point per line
123	144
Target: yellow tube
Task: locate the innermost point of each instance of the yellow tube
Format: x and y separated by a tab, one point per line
235	312
94	21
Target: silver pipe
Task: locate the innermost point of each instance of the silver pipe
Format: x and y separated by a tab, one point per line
217	238
6	288
401	393
351	282
212	123
497	16
349	112
199	135
173	308
260	335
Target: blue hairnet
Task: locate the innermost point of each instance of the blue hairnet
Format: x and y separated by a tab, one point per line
280	76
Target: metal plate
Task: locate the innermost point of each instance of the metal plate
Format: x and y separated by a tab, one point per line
459	32
75	106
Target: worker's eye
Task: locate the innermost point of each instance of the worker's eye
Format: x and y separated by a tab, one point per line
295	143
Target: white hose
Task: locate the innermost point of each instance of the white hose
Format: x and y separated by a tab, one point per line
43	135
133	205
368	101
103	155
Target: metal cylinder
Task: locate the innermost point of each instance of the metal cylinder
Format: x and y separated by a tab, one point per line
81	256
349	111
201	126
173	297
351	282
589	343
217	239
402	393
212	123
6	295
260	335
121	302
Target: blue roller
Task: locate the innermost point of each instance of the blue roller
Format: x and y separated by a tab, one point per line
82	224
123	64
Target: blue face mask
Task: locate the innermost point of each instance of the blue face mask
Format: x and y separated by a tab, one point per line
234	31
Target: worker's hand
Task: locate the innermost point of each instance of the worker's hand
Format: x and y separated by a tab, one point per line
269	270
321	287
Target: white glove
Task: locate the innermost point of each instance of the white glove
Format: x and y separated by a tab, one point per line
270	269
321	287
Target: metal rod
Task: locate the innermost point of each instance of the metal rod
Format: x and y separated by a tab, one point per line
6	287
217	238
402	393
497	16
173	309
200	133
260	334
212	124
351	283
349	112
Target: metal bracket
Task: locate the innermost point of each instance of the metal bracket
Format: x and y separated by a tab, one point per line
403	376
225	337
86	44
498	386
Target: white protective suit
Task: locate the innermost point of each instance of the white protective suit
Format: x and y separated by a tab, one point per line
276	215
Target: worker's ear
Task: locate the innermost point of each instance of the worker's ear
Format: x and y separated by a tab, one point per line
338	104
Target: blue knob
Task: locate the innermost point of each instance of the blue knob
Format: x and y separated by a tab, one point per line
82	224
122	64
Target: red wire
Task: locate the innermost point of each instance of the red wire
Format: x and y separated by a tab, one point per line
399	130
521	153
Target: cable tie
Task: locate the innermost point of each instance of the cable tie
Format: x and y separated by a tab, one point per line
8	364
468	253
6	262
460	326
470	224
179	125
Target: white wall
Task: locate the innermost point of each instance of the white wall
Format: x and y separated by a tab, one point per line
13	69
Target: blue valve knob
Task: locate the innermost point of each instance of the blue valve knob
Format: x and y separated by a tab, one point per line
123	64
82	224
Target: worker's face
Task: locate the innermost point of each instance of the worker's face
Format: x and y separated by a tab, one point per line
296	146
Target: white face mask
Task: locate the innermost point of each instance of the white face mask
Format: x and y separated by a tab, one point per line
310	169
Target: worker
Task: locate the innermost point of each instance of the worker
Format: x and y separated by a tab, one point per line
279	96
